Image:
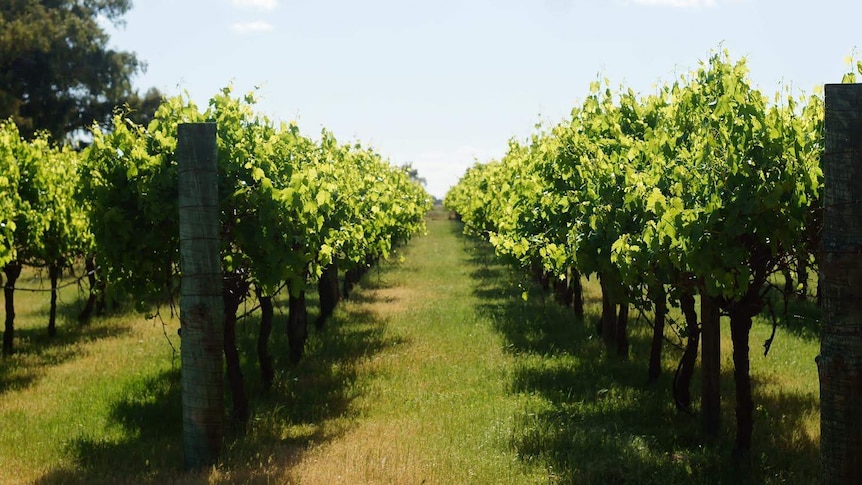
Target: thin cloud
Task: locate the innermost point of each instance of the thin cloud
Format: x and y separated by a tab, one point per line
251	27
677	3
255	4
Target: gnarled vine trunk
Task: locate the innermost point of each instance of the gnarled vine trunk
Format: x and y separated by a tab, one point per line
54	274
685	370
327	289
234	292
90	268
710	403
351	278
659	297
622	337
12	271
802	277
607	325
540	276
741	314
563	292
574	279
267	370
297	326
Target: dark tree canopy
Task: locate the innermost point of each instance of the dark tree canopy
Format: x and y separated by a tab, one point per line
413	173
57	72
142	109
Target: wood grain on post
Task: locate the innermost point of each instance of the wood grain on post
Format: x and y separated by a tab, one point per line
201	305
840	361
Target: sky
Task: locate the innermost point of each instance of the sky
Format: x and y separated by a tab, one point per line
443	84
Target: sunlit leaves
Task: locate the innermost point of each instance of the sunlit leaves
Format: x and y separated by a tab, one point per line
40	220
702	183
289	205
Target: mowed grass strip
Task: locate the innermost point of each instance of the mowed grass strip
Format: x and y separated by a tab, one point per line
409	383
65	400
436	407
435	371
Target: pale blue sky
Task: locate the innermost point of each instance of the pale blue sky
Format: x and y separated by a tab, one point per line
441	82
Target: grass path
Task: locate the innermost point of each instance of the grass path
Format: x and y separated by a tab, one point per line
465	382
435	405
435	371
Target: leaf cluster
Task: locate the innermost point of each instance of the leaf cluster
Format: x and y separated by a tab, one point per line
41	219
706	185
289	205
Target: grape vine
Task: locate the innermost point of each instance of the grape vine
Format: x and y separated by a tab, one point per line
703	188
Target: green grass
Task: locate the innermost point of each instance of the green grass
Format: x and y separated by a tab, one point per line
436	370
63	399
595	420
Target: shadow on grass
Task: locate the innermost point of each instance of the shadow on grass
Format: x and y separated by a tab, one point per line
151	451
591	418
35	351
150	415
802	317
308	404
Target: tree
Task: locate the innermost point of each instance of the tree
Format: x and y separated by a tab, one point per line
56	71
142	109
413	173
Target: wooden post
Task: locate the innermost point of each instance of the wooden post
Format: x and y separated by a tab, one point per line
710	363
201	305
840	361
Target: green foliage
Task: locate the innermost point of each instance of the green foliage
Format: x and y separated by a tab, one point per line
289	206
42	222
57	72
703	185
854	67
141	109
9	146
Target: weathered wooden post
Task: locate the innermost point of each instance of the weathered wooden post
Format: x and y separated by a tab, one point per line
201	305
840	360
